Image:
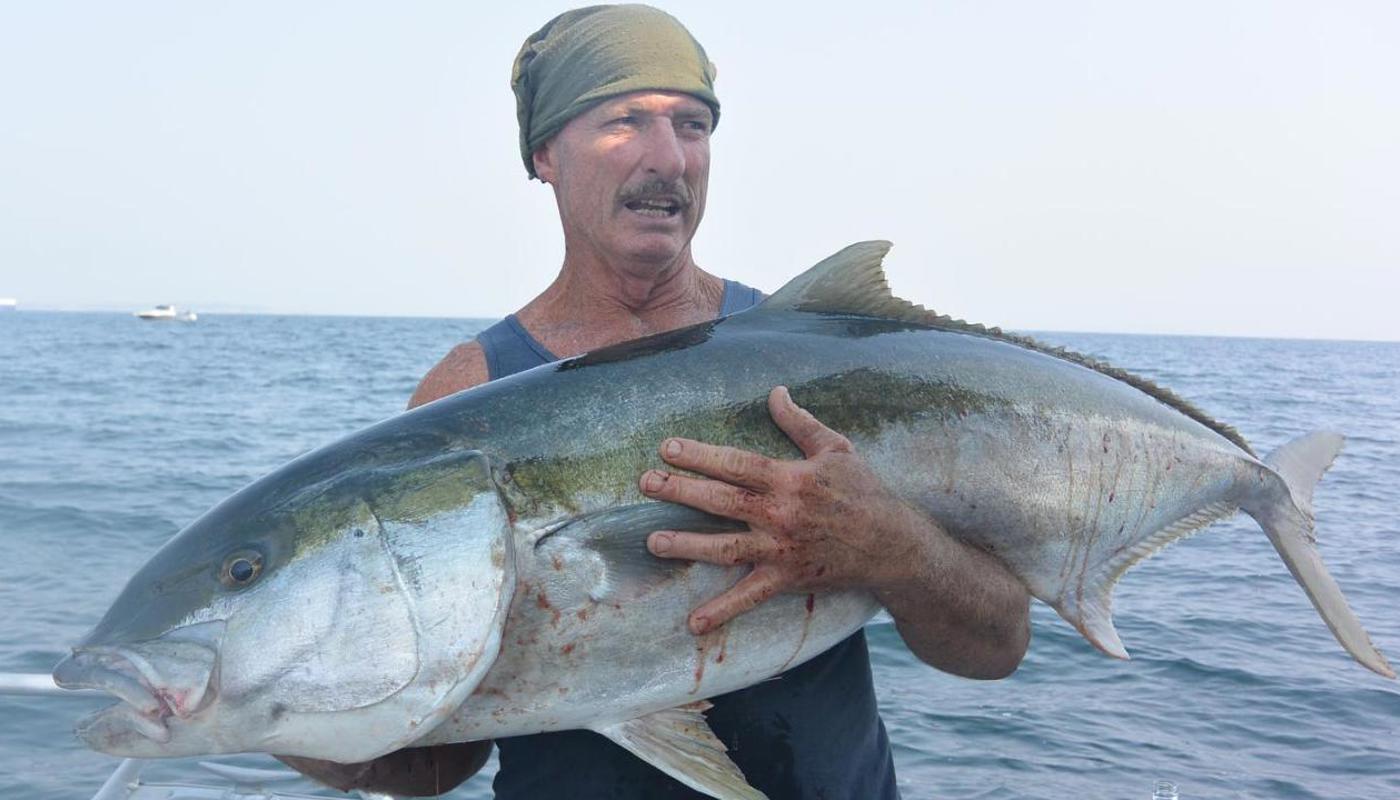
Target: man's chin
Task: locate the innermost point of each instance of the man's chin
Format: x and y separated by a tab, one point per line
655	248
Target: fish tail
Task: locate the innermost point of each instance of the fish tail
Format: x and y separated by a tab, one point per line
1286	514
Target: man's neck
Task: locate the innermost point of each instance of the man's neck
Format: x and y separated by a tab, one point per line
593	303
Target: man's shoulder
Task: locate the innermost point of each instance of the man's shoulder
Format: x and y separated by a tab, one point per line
463	367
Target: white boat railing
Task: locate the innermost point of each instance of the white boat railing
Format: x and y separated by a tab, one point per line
36	683
239	783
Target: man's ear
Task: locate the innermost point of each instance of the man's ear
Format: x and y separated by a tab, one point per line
545	168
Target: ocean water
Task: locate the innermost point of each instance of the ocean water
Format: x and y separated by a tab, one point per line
114	433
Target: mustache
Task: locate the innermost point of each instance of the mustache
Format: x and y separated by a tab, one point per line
657	188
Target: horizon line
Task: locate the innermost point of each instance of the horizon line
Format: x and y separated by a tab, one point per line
266	313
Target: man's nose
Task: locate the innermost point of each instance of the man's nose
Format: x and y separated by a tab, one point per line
664	155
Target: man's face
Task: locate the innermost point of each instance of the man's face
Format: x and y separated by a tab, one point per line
630	176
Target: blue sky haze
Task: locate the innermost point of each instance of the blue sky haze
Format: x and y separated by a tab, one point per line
1192	167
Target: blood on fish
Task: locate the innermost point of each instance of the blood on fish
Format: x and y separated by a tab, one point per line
705	643
173	701
806	628
542	600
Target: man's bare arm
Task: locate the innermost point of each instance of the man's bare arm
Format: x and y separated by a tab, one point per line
462	368
828	522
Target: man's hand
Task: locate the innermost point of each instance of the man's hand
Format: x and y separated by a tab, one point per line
828	522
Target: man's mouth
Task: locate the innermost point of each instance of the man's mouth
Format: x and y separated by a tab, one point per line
659	207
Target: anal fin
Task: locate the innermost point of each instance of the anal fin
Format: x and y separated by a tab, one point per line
679	742
1089	605
1092	616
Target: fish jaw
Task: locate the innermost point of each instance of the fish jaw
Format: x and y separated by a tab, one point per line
165	687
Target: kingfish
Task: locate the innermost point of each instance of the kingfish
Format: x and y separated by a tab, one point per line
476	568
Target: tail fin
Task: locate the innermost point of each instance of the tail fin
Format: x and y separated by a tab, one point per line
1302	461
1287	518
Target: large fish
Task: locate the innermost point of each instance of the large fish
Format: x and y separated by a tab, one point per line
476	568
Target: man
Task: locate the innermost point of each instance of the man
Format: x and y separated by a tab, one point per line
616	106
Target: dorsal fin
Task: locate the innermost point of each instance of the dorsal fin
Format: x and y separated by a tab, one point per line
852	281
849	282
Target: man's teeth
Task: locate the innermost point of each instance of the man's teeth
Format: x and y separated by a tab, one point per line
659	208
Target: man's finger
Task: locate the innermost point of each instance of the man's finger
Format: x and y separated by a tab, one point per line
716	497
729	464
725	549
753	589
805	430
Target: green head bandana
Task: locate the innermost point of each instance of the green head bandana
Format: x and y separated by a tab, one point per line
589	54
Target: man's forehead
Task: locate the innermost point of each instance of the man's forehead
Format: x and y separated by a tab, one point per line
657	102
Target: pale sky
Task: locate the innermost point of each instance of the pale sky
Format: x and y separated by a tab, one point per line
1188	167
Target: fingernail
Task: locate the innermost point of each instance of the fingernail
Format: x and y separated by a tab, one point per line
672	448
699	625
653	480
661	543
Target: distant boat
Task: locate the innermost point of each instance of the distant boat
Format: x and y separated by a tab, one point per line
167	313
8	304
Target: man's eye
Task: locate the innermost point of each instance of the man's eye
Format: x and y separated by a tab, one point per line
629	120
697	125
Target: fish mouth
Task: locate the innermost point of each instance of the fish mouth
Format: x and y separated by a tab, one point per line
157	681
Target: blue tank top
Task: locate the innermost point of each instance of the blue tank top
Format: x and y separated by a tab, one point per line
812	732
509	348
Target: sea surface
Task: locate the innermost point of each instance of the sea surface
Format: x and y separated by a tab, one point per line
114	433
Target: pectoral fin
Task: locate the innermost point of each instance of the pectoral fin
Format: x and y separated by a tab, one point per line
616	540
679	742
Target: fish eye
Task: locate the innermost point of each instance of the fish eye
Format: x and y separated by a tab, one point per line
240	569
